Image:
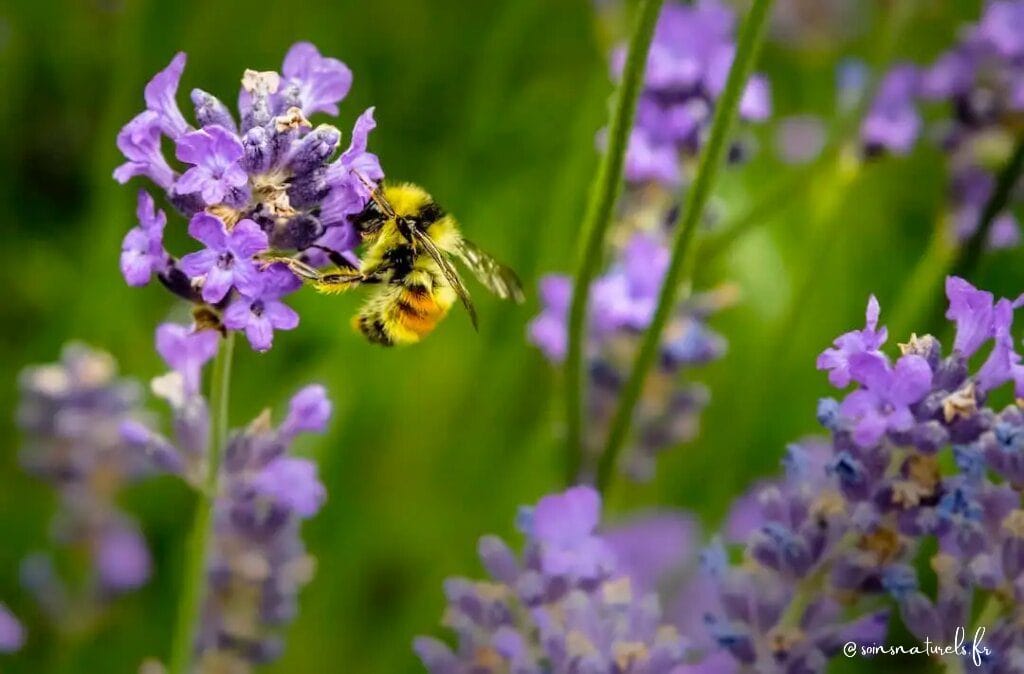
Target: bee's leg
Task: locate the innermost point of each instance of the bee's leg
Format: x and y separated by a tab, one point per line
336	258
298	267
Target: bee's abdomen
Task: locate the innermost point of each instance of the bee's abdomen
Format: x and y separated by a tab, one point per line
405	316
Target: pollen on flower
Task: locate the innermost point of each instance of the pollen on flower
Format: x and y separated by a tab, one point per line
264	179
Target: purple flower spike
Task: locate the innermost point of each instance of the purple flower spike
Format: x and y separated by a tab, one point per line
893	122
186	352
868	340
227	259
142	252
12	634
139	142
1003	26
548	331
122	559
973	312
884	402
321	82
309	411
292	483
214	153
563	524
160	93
262	312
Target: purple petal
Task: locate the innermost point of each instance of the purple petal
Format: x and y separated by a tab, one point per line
217	283
209	230
122	559
160	96
308	411
247	239
292	483
12	634
571	515
199	262
322	82
280	315
911	380
259	332
237	315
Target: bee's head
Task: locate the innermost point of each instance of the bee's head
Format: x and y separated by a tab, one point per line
369	221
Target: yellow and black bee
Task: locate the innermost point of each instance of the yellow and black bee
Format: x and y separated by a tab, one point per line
409	241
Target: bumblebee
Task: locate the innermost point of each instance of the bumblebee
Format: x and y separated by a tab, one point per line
410	242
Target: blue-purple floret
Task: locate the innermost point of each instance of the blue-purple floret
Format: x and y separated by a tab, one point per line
267	180
686	70
257	562
845	526
70	413
563	606
622	303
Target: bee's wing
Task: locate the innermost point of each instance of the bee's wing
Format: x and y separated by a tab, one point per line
448	269
495	276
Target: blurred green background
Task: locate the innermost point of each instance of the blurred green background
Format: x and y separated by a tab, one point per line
494	107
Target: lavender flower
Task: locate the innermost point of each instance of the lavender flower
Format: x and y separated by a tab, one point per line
257	562
266	181
687	66
142	252
622	305
12	634
70	414
848	519
978	84
536	617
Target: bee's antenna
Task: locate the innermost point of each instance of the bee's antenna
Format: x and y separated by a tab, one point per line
375	194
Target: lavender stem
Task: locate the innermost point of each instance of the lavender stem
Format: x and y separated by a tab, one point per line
710	164
194	582
604	193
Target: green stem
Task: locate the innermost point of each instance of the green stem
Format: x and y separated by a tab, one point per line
970	254
603	195
920	303
697	198
194	582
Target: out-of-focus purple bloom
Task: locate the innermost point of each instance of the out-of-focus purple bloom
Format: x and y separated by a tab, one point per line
213	152
869	340
1003	26
308	412
71	414
800	139
650	547
292	482
227	259
564	527
122	558
319	82
893	122
142	252
687	64
186	351
548	330
262	311
12	634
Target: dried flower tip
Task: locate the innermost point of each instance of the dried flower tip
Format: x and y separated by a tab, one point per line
960	404
266	82
291	120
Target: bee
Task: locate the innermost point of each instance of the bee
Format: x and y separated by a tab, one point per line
410	242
